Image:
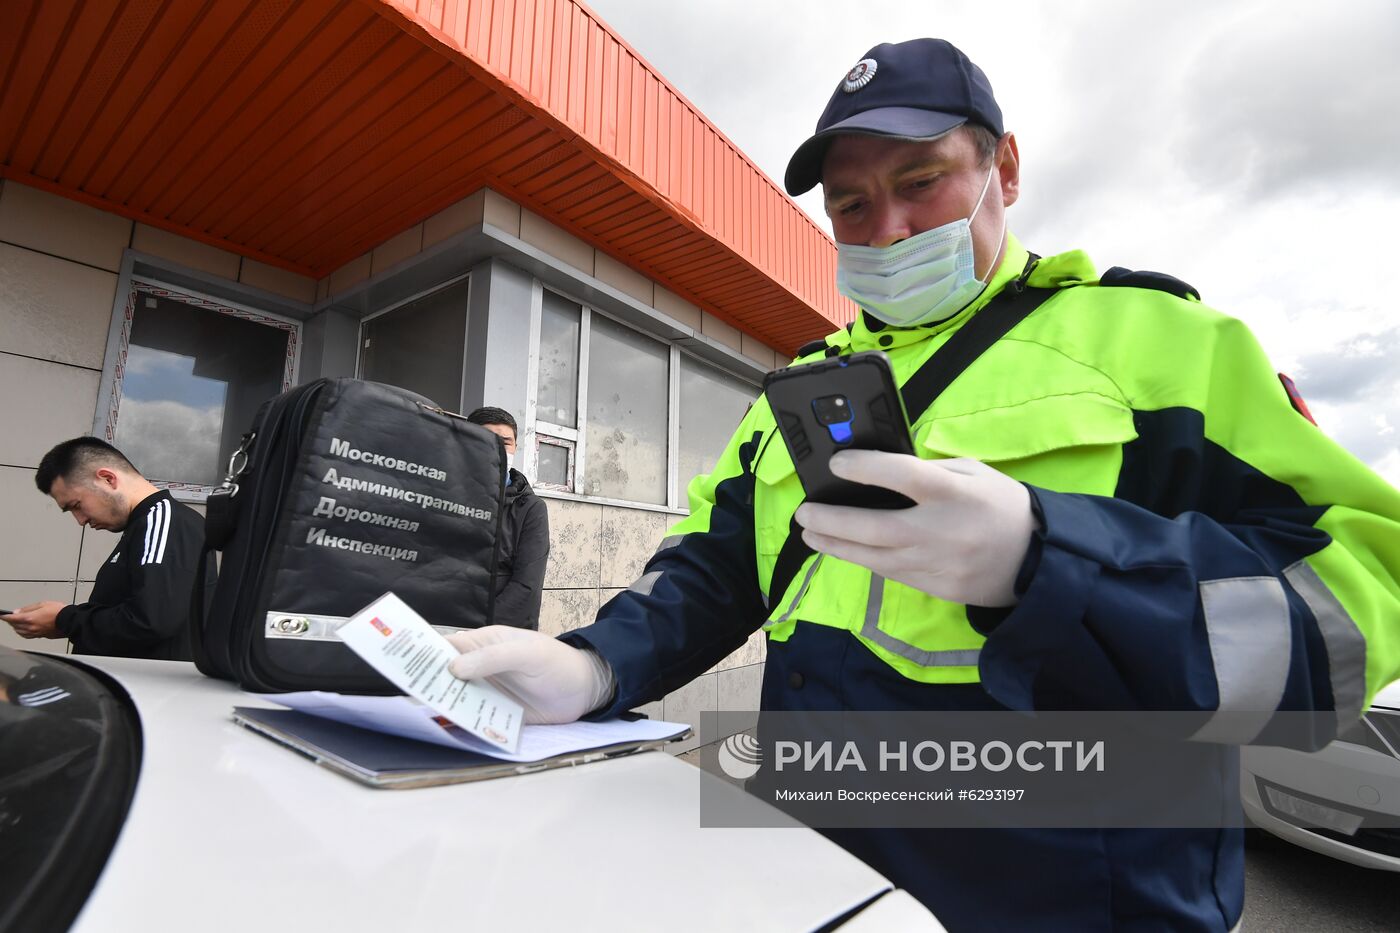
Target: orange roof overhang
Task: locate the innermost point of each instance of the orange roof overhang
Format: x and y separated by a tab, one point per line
304	132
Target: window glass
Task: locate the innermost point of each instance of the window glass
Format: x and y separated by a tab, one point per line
420	346
712	404
193	380
553	465
625	452
557	395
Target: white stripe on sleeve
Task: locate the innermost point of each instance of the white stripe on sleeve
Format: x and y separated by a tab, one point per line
146	547
157	528
164	533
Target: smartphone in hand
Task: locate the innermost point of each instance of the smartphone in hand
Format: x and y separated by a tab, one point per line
845	402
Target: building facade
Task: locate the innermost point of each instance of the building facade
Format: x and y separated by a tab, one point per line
485	202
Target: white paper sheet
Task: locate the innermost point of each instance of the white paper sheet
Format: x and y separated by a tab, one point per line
406	717
400	644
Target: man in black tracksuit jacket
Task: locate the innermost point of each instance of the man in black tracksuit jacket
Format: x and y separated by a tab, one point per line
139	607
524	534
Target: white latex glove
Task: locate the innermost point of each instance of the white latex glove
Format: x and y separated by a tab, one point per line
963	540
555	682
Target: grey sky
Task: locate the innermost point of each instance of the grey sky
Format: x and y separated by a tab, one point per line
1246	146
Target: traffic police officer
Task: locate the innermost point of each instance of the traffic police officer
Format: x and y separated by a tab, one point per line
1117	507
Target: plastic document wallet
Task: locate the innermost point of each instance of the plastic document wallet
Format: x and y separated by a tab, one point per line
381	760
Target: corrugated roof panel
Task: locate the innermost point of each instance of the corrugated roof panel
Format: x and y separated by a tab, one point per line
351	188
44	37
369	160
621	217
337	137
302	131
222	125
282	160
57	96
149	82
155	113
21	17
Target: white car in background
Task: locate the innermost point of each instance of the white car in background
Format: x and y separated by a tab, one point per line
1342	801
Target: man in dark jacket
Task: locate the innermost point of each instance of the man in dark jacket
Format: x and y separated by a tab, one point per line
139	607
524	533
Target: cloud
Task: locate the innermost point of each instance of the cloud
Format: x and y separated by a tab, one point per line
1244	147
144	361
1285	102
171	441
1355	368
1366	430
1389	467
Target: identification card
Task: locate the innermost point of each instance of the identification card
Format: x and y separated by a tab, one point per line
400	644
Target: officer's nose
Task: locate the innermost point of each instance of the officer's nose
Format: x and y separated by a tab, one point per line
890	227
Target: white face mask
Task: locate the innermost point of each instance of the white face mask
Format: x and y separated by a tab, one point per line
928	277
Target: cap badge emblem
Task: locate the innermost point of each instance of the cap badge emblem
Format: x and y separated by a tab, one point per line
859	76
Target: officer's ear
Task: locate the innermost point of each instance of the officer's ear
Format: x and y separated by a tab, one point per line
1008	160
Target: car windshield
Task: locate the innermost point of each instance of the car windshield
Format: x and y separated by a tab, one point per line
69	756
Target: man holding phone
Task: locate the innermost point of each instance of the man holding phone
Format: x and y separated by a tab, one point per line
1116	507
139	606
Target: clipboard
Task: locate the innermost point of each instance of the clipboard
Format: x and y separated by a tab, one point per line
376	759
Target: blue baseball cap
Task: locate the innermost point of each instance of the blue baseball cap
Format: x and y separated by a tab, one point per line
918	89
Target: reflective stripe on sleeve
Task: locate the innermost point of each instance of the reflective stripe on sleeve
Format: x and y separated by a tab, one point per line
668	542
645	582
1346	646
1247	623
871	631
801	591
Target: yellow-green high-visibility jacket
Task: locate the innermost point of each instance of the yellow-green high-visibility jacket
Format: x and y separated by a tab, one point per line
1204	546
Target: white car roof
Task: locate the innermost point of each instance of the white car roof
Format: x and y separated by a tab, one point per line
1388	697
229	831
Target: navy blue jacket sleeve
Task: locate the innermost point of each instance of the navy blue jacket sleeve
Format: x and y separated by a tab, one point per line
1246	568
698	598
1115	615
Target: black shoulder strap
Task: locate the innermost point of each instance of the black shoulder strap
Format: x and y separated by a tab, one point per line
1010	307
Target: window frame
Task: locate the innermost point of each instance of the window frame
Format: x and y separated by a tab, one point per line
130	287
570	454
419	296
575	438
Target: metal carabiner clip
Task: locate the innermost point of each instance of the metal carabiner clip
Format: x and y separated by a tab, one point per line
237	463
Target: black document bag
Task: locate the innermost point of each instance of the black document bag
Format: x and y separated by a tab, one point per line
344	490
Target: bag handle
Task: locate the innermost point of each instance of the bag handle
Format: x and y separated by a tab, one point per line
220	522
